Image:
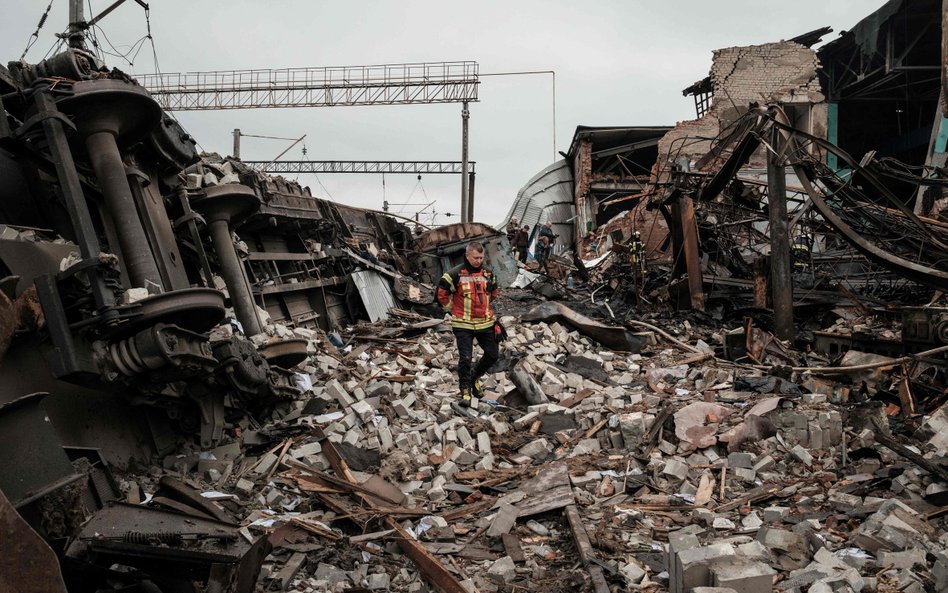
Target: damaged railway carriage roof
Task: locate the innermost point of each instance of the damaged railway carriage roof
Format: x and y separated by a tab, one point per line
216	381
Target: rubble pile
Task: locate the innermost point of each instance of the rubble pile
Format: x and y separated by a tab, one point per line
661	470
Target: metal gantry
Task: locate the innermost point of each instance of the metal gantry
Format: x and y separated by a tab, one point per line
388	167
328	86
382	84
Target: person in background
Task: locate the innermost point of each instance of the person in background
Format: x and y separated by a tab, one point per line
546	240
466	292
521	243
512	227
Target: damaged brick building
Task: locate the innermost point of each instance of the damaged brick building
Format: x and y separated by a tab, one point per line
214	380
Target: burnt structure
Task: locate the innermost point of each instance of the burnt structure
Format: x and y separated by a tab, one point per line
150	295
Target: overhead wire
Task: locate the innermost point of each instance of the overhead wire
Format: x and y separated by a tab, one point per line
318	180
35	36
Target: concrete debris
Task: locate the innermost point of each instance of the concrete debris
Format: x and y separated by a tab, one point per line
224	383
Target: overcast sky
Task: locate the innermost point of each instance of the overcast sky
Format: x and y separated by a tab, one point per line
617	63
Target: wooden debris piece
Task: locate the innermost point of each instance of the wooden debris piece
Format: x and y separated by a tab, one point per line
431	568
470	509
285	575
512	547
756	495
586	553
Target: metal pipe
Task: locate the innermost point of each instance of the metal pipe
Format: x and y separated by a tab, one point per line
466	207
77	23
470	196
233	273
110	173
781	281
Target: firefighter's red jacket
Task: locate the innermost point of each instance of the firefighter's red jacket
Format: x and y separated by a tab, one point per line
466	293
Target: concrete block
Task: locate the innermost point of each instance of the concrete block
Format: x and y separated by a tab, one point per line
504	520
745	460
363	410
483	442
676	468
787	542
693	565
536	449
743	576
378	582
486	462
502	571
335	389
906	559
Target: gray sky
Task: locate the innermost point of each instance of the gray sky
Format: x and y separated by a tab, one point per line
616	62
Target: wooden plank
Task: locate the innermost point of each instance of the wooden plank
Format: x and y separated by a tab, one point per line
289	570
315	529
550	500
470	509
689	234
757	494
512	547
550	476
651	437
586	553
433	570
443	547
477	553
573	400
368	537
430	567
883	438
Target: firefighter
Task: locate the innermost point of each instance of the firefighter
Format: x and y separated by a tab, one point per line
800	254
466	292
637	253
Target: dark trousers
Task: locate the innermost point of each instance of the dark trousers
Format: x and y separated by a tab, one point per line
488	343
522	254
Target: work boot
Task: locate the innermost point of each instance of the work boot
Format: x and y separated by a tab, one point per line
476	389
465	401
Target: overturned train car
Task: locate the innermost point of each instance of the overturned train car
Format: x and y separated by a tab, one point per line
139	285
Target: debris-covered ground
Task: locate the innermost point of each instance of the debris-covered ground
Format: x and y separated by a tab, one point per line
666	469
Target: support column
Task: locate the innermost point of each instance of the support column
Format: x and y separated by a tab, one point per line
73	196
470	197
689	235
236	153
466	207
110	173
233	274
76	20
780	268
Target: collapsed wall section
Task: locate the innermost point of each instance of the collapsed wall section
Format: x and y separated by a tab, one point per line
784	72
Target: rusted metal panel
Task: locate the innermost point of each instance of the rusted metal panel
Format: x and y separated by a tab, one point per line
26	560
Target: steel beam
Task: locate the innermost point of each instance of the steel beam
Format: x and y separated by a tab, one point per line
467	208
781	282
689	233
383	84
388	167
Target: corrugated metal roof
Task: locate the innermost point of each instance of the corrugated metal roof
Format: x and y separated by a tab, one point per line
375	292
547	196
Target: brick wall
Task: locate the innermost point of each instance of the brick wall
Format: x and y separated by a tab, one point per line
783	72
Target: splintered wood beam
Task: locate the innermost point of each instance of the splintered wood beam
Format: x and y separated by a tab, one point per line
586	553
689	235
433	570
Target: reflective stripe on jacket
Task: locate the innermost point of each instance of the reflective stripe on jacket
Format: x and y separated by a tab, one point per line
466	294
